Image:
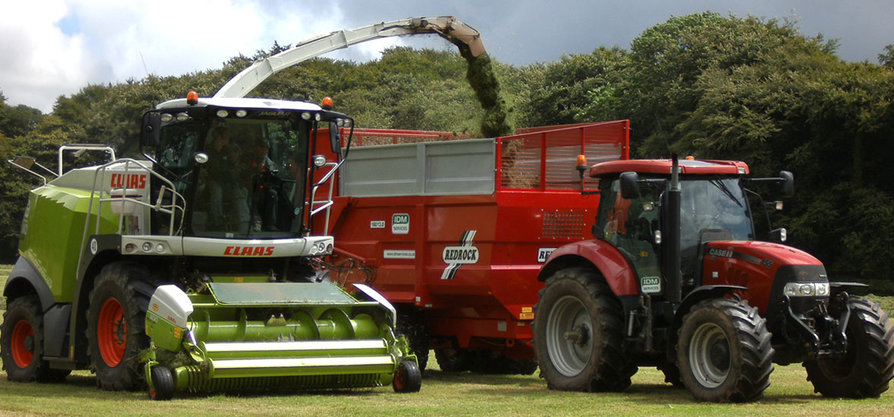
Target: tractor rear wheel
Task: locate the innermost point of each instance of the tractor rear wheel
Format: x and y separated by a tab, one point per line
115	325
21	343
868	364
724	351
578	334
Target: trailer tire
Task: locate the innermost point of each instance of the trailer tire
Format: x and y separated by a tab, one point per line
21	343
411	326
671	374
868	365
163	380
115	325
578	334
454	359
408	377
724	351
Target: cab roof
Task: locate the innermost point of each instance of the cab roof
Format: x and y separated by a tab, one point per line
242	103
663	167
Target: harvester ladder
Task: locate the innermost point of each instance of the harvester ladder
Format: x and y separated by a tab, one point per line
316	206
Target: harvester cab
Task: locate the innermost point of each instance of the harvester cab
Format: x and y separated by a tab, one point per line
676	278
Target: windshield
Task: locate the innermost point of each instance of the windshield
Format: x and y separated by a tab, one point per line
252	184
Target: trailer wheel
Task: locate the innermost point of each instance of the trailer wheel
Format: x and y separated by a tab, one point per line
115	325
578	334
408	377
21	343
724	351
454	359
411	326
671	374
163	381
868	365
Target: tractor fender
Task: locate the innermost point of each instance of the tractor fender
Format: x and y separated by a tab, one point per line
23	279
613	266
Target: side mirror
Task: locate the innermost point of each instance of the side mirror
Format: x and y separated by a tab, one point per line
778	235
788	183
25	162
151	129
629	185
334	138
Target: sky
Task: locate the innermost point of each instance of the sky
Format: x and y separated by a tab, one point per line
50	48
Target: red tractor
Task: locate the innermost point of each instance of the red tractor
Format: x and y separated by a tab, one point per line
675	279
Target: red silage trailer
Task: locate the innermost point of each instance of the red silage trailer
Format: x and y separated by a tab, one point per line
453	231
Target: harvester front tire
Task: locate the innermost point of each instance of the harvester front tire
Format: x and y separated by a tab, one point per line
408	377
21	343
164	384
867	367
579	332
115	325
724	351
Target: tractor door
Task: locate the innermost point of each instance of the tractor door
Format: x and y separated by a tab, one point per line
630	225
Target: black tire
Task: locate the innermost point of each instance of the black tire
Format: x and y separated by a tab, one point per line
867	367
412	326
671	374
454	359
163	380
21	343
724	352
578	334
116	323
408	377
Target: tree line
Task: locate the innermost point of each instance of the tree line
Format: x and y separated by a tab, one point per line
707	85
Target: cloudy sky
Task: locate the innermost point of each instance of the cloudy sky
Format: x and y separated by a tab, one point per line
50	48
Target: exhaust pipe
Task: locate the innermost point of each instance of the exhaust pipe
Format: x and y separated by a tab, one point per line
672	246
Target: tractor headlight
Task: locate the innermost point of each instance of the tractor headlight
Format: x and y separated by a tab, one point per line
806	289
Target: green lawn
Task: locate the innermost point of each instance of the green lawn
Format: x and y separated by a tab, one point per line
442	394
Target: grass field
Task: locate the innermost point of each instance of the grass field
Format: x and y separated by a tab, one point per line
442	394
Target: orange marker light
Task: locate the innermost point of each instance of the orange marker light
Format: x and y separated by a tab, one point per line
581	162
690	158
192	98
326	104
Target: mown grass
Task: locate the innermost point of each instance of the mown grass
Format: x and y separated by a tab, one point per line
442	394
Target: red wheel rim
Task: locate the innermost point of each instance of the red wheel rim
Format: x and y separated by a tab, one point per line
23	344
111	332
400	377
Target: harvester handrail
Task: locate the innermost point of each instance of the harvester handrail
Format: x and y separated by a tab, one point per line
83	147
100	175
324	204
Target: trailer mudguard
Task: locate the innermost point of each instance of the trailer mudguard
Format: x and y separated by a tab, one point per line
613	266
23	278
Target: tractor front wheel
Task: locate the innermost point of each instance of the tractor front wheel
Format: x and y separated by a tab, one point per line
115	325
578	334
21	343
724	351
868	364
412	326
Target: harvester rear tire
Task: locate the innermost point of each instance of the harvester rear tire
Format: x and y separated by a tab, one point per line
164	384
116	325
724	351
408	377
21	343
868	365
579	334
